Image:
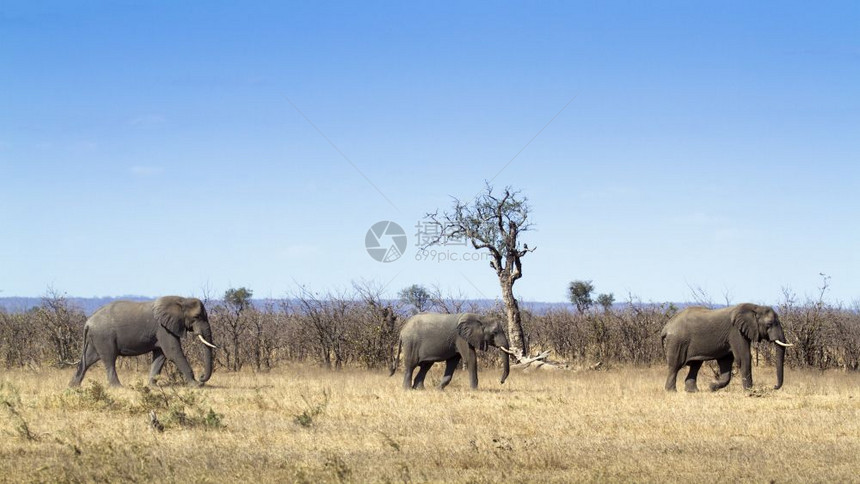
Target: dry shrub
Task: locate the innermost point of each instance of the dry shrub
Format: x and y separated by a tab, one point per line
360	329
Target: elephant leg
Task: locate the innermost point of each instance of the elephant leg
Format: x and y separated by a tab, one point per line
172	349
673	377
158	360
675	359
450	366
725	372
745	358
690	381
89	358
107	350
472	366
110	367
423	368
407	375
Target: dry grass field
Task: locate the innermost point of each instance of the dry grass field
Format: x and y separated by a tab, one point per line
303	424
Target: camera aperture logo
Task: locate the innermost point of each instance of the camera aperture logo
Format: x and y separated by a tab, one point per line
385	241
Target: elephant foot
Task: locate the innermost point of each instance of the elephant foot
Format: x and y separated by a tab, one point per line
690	386
717	386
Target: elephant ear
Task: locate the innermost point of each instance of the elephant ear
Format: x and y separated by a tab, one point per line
470	329
193	308
169	313
746	320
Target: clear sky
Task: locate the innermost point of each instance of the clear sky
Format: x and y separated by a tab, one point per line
162	147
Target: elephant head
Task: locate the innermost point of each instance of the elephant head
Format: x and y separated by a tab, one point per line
759	323
481	334
179	315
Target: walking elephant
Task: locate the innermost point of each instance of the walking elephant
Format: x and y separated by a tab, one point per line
427	338
126	328
699	334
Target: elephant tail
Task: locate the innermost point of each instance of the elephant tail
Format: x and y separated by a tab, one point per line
396	360
79	374
84	348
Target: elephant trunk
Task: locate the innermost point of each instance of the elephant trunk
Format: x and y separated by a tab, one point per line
777	336
206	333
506	366
780	364
501	341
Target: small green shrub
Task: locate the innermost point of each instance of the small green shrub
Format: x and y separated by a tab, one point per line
178	408
94	396
312	410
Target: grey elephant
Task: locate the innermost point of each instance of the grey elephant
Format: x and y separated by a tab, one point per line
126	328
429	337
698	334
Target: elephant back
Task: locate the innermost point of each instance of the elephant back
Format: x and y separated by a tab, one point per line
117	312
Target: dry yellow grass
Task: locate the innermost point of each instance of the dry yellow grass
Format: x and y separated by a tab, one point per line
592	426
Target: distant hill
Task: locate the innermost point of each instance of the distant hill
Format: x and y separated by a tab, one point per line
90	304
87	304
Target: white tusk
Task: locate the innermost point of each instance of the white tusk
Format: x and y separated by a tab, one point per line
507	351
786	345
206	342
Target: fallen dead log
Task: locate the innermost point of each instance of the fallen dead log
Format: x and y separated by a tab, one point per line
539	361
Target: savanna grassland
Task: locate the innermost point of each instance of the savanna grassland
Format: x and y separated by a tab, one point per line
305	424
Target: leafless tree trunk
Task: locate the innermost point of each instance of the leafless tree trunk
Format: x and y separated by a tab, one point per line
63	326
494	224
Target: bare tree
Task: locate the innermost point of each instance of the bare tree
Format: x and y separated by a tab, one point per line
236	302
378	333
18	339
701	297
327	321
494	223
62	325
450	303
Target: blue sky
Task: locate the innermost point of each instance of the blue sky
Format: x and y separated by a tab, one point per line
154	147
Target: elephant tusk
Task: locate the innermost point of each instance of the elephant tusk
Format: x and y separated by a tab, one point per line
507	350
206	342
786	345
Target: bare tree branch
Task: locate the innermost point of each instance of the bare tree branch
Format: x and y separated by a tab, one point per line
492	223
